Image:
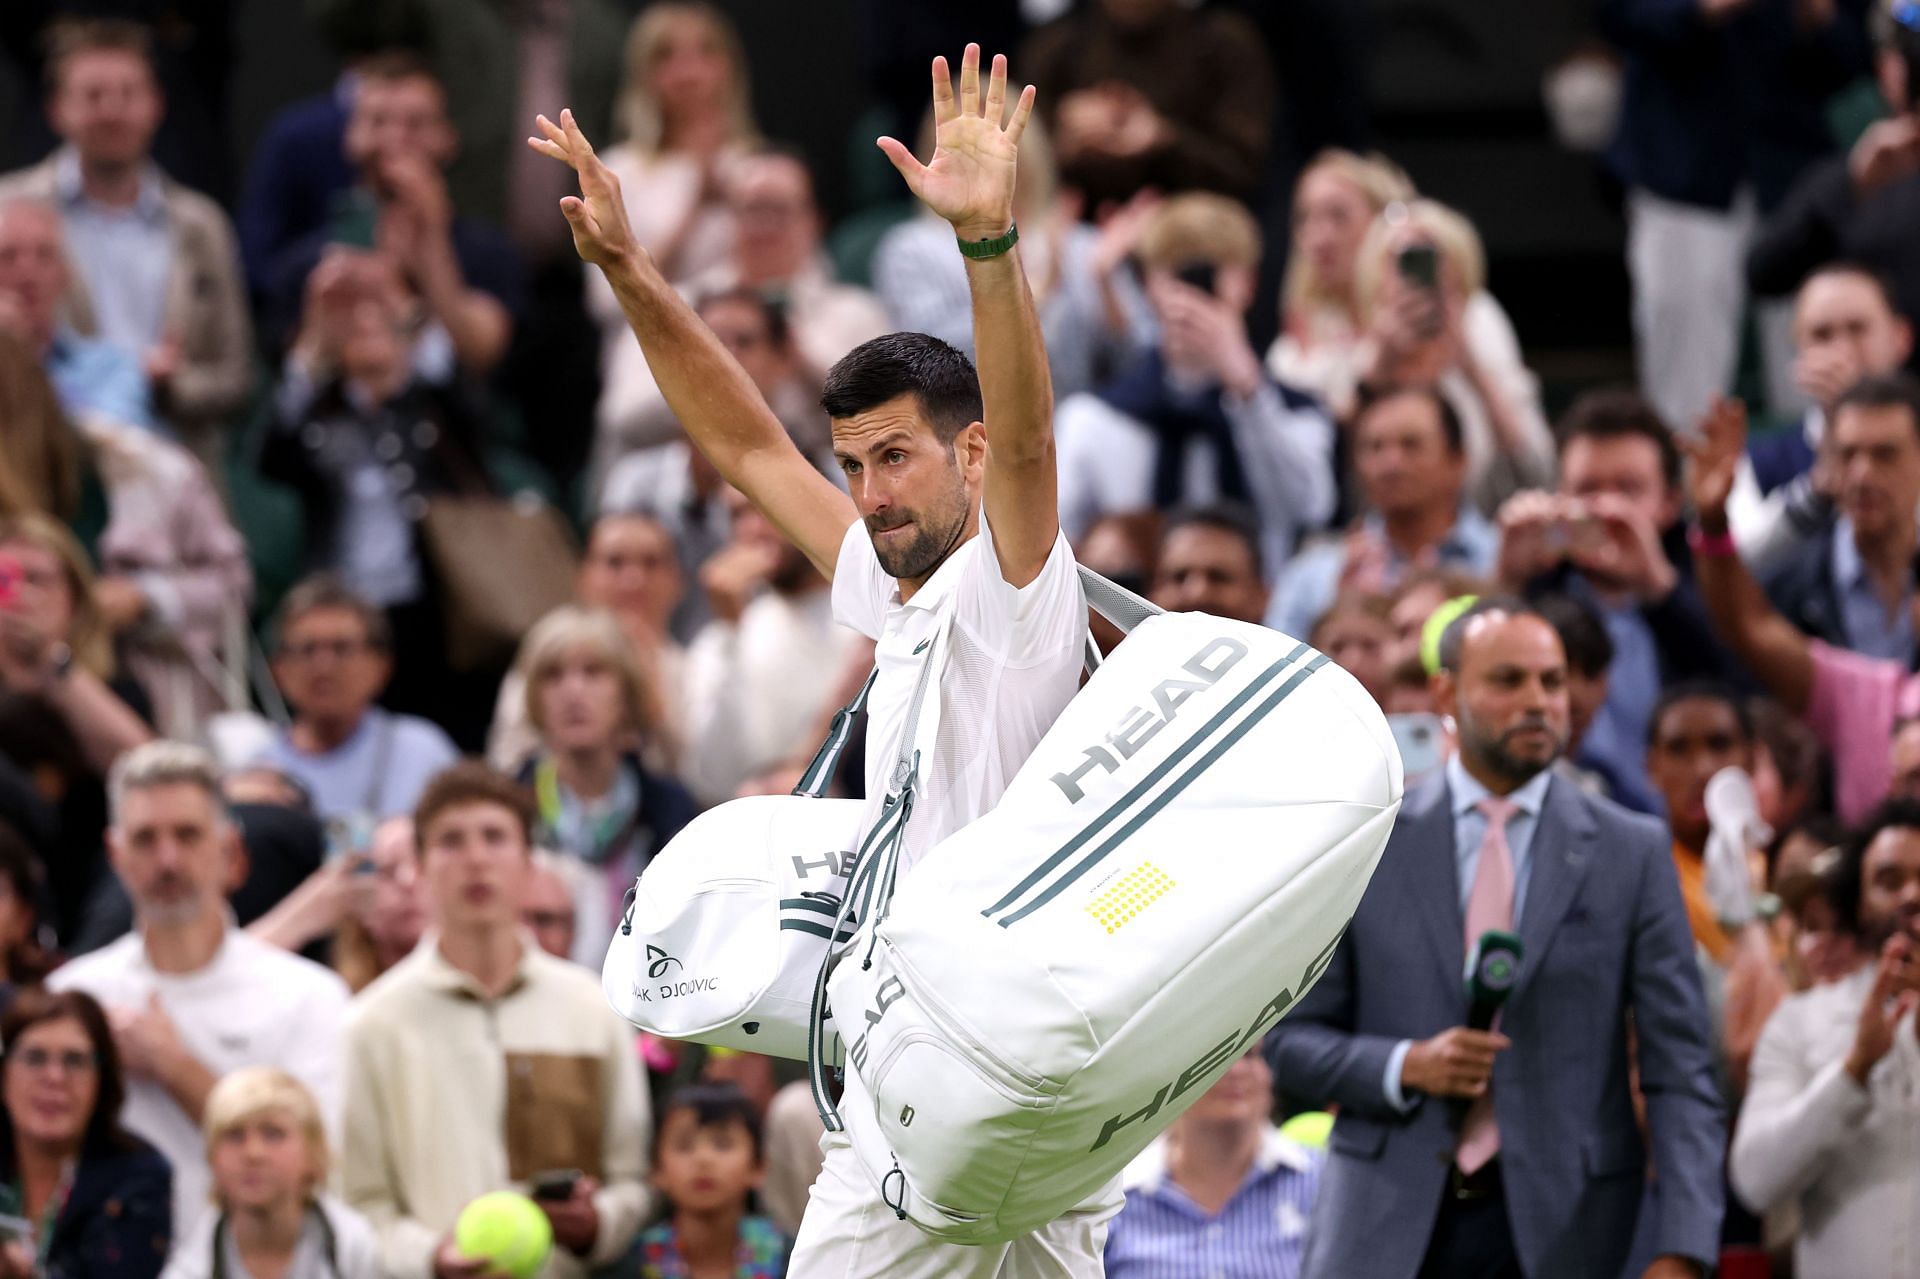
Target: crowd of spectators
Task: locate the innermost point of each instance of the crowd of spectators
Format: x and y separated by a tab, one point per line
315	820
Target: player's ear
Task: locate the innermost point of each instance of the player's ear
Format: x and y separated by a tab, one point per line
970	448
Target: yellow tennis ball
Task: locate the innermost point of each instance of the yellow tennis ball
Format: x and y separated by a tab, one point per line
508	1230
1310	1128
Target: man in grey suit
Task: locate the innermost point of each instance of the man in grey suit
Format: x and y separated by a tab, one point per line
1511	1152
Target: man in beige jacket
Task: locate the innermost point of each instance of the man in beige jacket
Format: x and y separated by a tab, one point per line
156	266
480	1062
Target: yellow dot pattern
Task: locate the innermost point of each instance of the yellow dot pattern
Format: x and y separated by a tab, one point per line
1132	893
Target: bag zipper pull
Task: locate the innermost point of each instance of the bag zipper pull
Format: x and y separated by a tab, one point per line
626	910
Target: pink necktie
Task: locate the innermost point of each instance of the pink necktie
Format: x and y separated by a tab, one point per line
1489	908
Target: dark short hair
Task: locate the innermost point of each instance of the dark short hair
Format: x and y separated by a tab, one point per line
1451	429
773	314
1880	281
1699	690
714	1105
1582	633
34	1006
68	38
1454	638
395	63
1620	413
936	374
1850	871
329	592
26	879
1232	518
472	782
1883	391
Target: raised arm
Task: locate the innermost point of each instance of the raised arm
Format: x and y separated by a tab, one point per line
970	183
716	402
1746	620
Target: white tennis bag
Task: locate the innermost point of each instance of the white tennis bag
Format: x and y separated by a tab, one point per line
1168	873
724	933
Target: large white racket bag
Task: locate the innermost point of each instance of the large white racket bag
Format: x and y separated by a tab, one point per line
1168	873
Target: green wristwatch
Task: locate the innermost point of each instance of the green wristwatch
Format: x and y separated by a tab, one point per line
982	249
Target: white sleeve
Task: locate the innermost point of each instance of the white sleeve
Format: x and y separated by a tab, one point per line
1791	1124
861	587
1025	624
313	1047
1288	453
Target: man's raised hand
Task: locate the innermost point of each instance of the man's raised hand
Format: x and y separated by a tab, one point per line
601	233
970	179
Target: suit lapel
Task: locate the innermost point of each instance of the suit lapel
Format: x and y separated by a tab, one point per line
1434	874
1560	854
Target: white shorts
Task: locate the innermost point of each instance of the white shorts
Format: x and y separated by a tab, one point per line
848	1233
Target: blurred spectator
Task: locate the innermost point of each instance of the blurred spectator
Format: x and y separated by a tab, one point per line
501	64
1725	104
54	645
751	676
64	715
1222	1192
158	272
1610	538
776	252
1827	1123
547	908
1209	562
1410	453
24	962
1818	950
1789	765
1090	308
1850	583
630	570
96	1195
588	700
676	484
194	53
367	440
91	375
1696	730
480	1061
270	1215
1142	93
1844	329
1197	419
1537	1166
1421	281
708	1161
190	997
388	923
686	113
1589	660
1861	206
1122	549
332	656
1323	324
174	574
467	277
1904	760
1853	702
1357	633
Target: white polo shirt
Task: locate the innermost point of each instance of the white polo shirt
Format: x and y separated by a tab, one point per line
253	1005
1012	663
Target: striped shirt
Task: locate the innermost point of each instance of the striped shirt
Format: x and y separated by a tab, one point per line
1260	1234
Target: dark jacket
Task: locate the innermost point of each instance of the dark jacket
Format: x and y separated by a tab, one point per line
1822	221
118	1218
1799	580
1713	106
665	807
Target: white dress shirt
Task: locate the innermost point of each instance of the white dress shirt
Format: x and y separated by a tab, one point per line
1848	1157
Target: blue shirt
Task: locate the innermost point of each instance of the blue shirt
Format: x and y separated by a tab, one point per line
1260	1233
379	770
1465	792
1616	742
1306	587
1869	627
123	255
91	376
